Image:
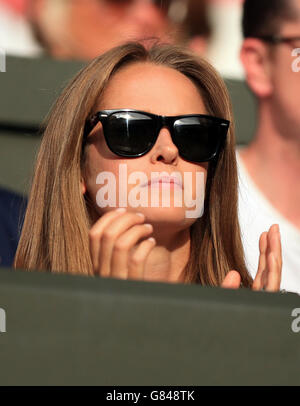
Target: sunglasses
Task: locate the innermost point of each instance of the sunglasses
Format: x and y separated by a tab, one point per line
133	133
277	39
162	4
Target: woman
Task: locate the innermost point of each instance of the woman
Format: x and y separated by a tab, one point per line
156	110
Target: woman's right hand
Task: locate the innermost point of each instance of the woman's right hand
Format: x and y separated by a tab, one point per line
120	244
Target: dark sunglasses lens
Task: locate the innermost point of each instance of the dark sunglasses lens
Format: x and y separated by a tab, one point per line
129	133
198	138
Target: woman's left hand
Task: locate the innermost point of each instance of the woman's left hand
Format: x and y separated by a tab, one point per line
268	276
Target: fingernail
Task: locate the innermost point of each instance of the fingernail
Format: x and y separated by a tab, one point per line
121	210
149	226
140	214
152	239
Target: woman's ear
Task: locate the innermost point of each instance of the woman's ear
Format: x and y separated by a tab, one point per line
255	56
82	185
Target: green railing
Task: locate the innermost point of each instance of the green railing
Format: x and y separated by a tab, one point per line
75	330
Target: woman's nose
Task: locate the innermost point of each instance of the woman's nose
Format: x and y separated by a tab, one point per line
164	149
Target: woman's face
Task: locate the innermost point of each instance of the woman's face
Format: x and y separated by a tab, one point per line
163	91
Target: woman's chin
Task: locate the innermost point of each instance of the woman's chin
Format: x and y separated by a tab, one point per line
167	215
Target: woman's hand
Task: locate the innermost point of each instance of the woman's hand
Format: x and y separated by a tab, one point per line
268	276
120	244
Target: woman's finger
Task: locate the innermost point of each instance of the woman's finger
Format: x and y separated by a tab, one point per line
279	258
274	274
274	260
262	262
123	245
274	243
232	280
136	263
95	234
109	236
270	262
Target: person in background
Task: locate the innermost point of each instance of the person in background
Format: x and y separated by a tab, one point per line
196	28
83	29
216	33
16	36
12	209
269	167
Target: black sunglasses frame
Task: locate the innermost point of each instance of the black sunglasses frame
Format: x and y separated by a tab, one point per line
160	122
163	5
277	39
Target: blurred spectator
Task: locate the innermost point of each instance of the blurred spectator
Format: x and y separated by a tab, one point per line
270	165
223	48
195	25
217	34
16	36
82	29
12	209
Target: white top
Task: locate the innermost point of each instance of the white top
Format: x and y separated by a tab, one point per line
256	215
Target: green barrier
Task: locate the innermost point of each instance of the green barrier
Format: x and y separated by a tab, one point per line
17	157
30	86
244	110
72	330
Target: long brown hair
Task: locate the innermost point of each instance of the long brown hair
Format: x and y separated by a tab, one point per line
57	222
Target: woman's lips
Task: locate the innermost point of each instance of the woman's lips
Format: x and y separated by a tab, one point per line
163	181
